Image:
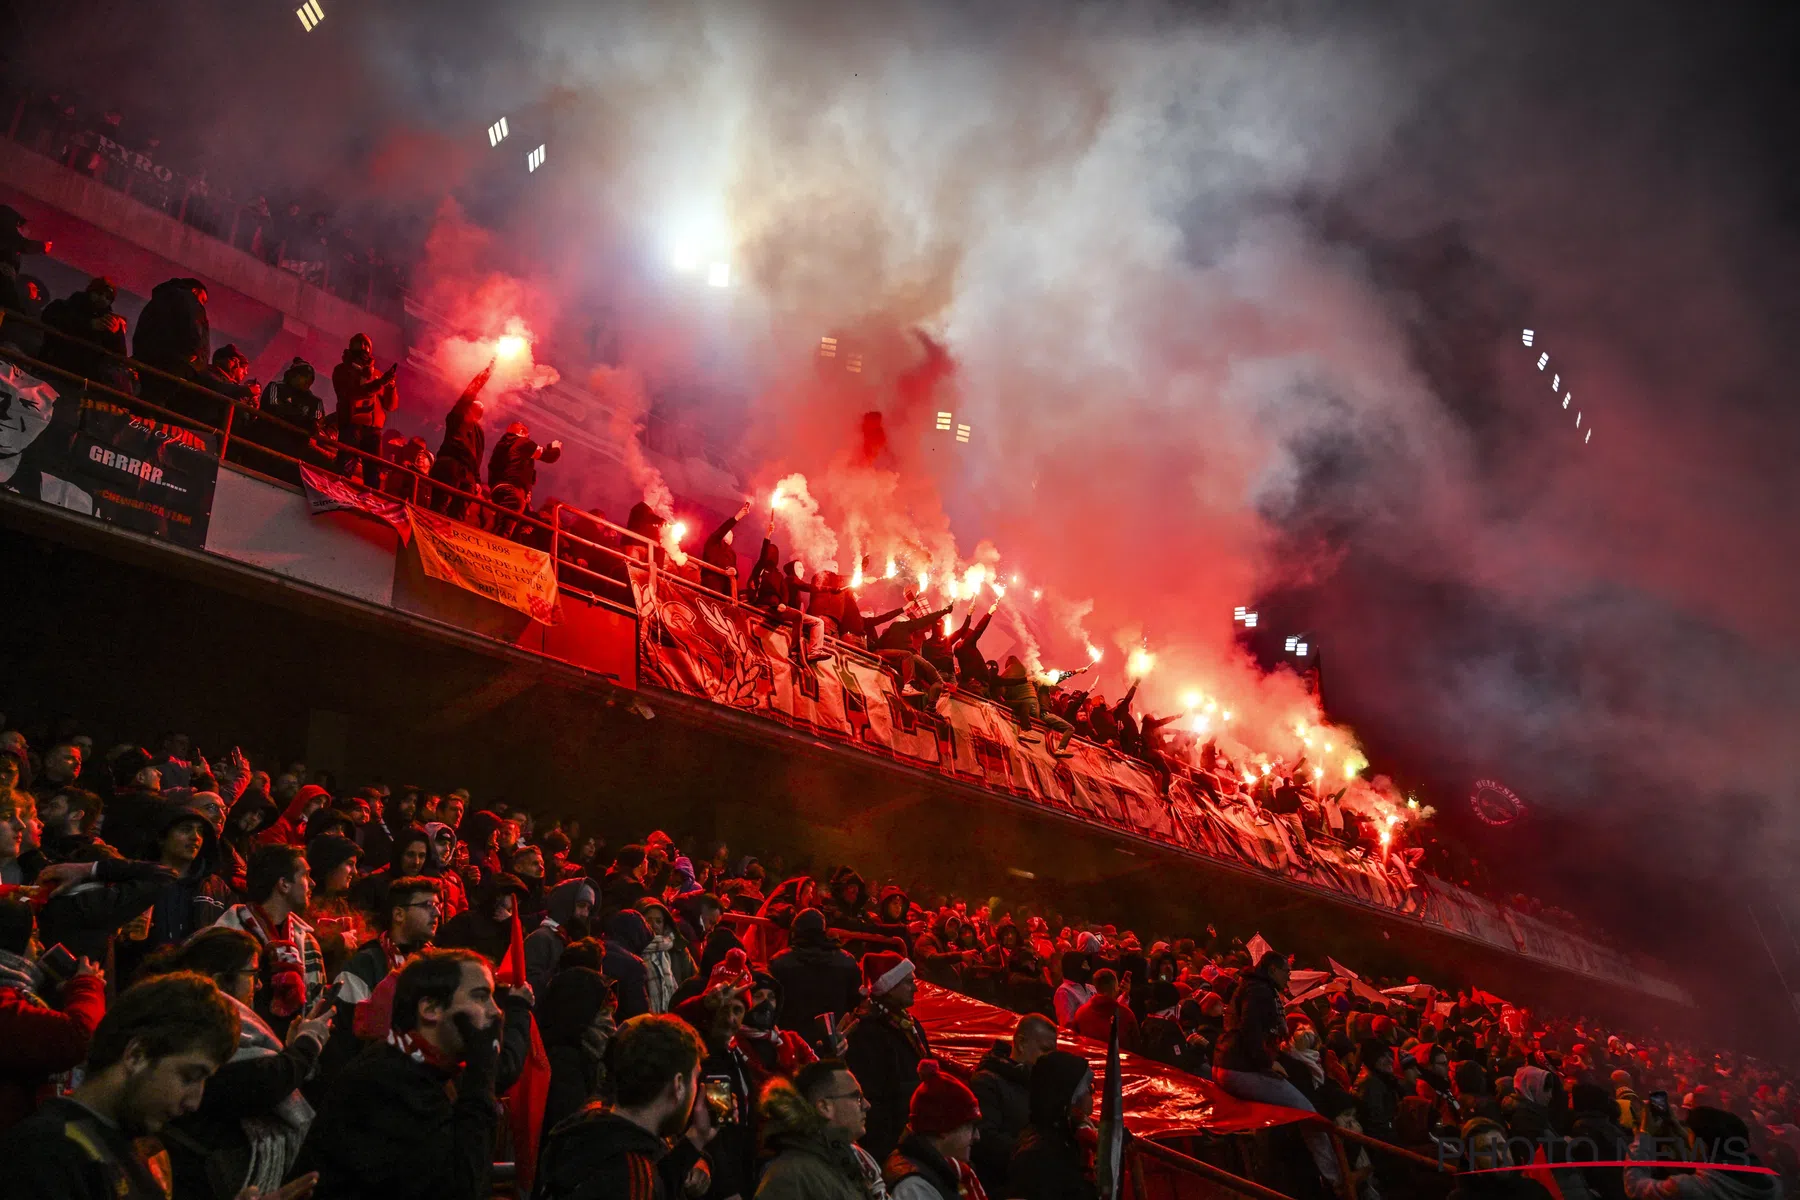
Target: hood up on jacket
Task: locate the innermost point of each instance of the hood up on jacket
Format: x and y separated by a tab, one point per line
628	928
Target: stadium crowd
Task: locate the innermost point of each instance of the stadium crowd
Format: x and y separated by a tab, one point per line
225	978
125	153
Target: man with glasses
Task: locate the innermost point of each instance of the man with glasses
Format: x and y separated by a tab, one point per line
813	1124
413	910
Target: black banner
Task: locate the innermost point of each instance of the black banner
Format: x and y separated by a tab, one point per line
89	455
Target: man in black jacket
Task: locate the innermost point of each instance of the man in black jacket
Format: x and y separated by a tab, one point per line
817	976
388	1127
1244	1062
1002	1084
148	1063
884	1046
458	462
621	1153
512	470
627	936
92	332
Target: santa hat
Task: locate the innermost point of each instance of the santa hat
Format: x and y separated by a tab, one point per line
941	1103
732	973
883	970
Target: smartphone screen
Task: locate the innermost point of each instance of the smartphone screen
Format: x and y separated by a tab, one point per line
719	1098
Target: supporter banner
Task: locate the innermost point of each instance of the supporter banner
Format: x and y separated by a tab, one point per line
693	642
505	572
326	492
88	455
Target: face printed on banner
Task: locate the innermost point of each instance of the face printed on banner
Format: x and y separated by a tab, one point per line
26	405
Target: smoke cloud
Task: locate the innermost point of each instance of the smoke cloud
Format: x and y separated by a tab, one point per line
1231	301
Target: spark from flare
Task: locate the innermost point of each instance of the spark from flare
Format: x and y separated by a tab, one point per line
510	346
1139	664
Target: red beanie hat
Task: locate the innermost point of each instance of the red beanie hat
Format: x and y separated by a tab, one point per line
882	970
732	973
942	1102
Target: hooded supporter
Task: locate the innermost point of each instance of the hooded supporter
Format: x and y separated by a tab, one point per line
660	955
1051	1160
627	935
364	400
195	899
885	1045
487	925
409	856
440	844
817	977
575	1013
848	905
1527	1110
771	1050
570	910
1076	987
173	334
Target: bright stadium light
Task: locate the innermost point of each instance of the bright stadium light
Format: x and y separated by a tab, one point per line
497	132
962	433
718	275
1290	643
1589	437
534	160
827	347
1237	614
1530	336
1543	360
310	15
943	422
1301	649
1249	620
853	364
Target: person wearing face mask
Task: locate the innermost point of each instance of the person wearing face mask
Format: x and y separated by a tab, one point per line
773	1052
364	400
147	1064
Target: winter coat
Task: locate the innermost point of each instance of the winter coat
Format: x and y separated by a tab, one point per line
464	441
544	945
884	1051
515	460
814	1160
817	976
626	938
389	1129
1255	1024
37	1041
1596	1137
90	331
1049	1168
1641	1182
173	334
916	1161
1002	1086
364	396
599	1155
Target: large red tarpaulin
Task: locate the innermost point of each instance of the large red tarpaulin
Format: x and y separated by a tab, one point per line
1159	1100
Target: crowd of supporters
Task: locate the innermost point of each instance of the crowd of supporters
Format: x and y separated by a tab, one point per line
229	978
365	266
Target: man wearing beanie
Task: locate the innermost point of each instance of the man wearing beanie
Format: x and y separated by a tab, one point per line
932	1160
885	1046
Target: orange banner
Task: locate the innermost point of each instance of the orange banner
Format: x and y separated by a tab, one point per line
505	572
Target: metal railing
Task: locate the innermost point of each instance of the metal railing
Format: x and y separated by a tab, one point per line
607	581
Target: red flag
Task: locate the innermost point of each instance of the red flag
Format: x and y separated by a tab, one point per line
525	1100
1539	1170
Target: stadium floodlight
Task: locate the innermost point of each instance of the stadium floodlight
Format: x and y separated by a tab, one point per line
1237	614
1578	418
1250	620
1567	397
943	422
534	160
1543	360
1555	384
718	275
1290	643
497	132
1302	649
1530	336
853	364
310	15
1589	437
827	347
962	433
